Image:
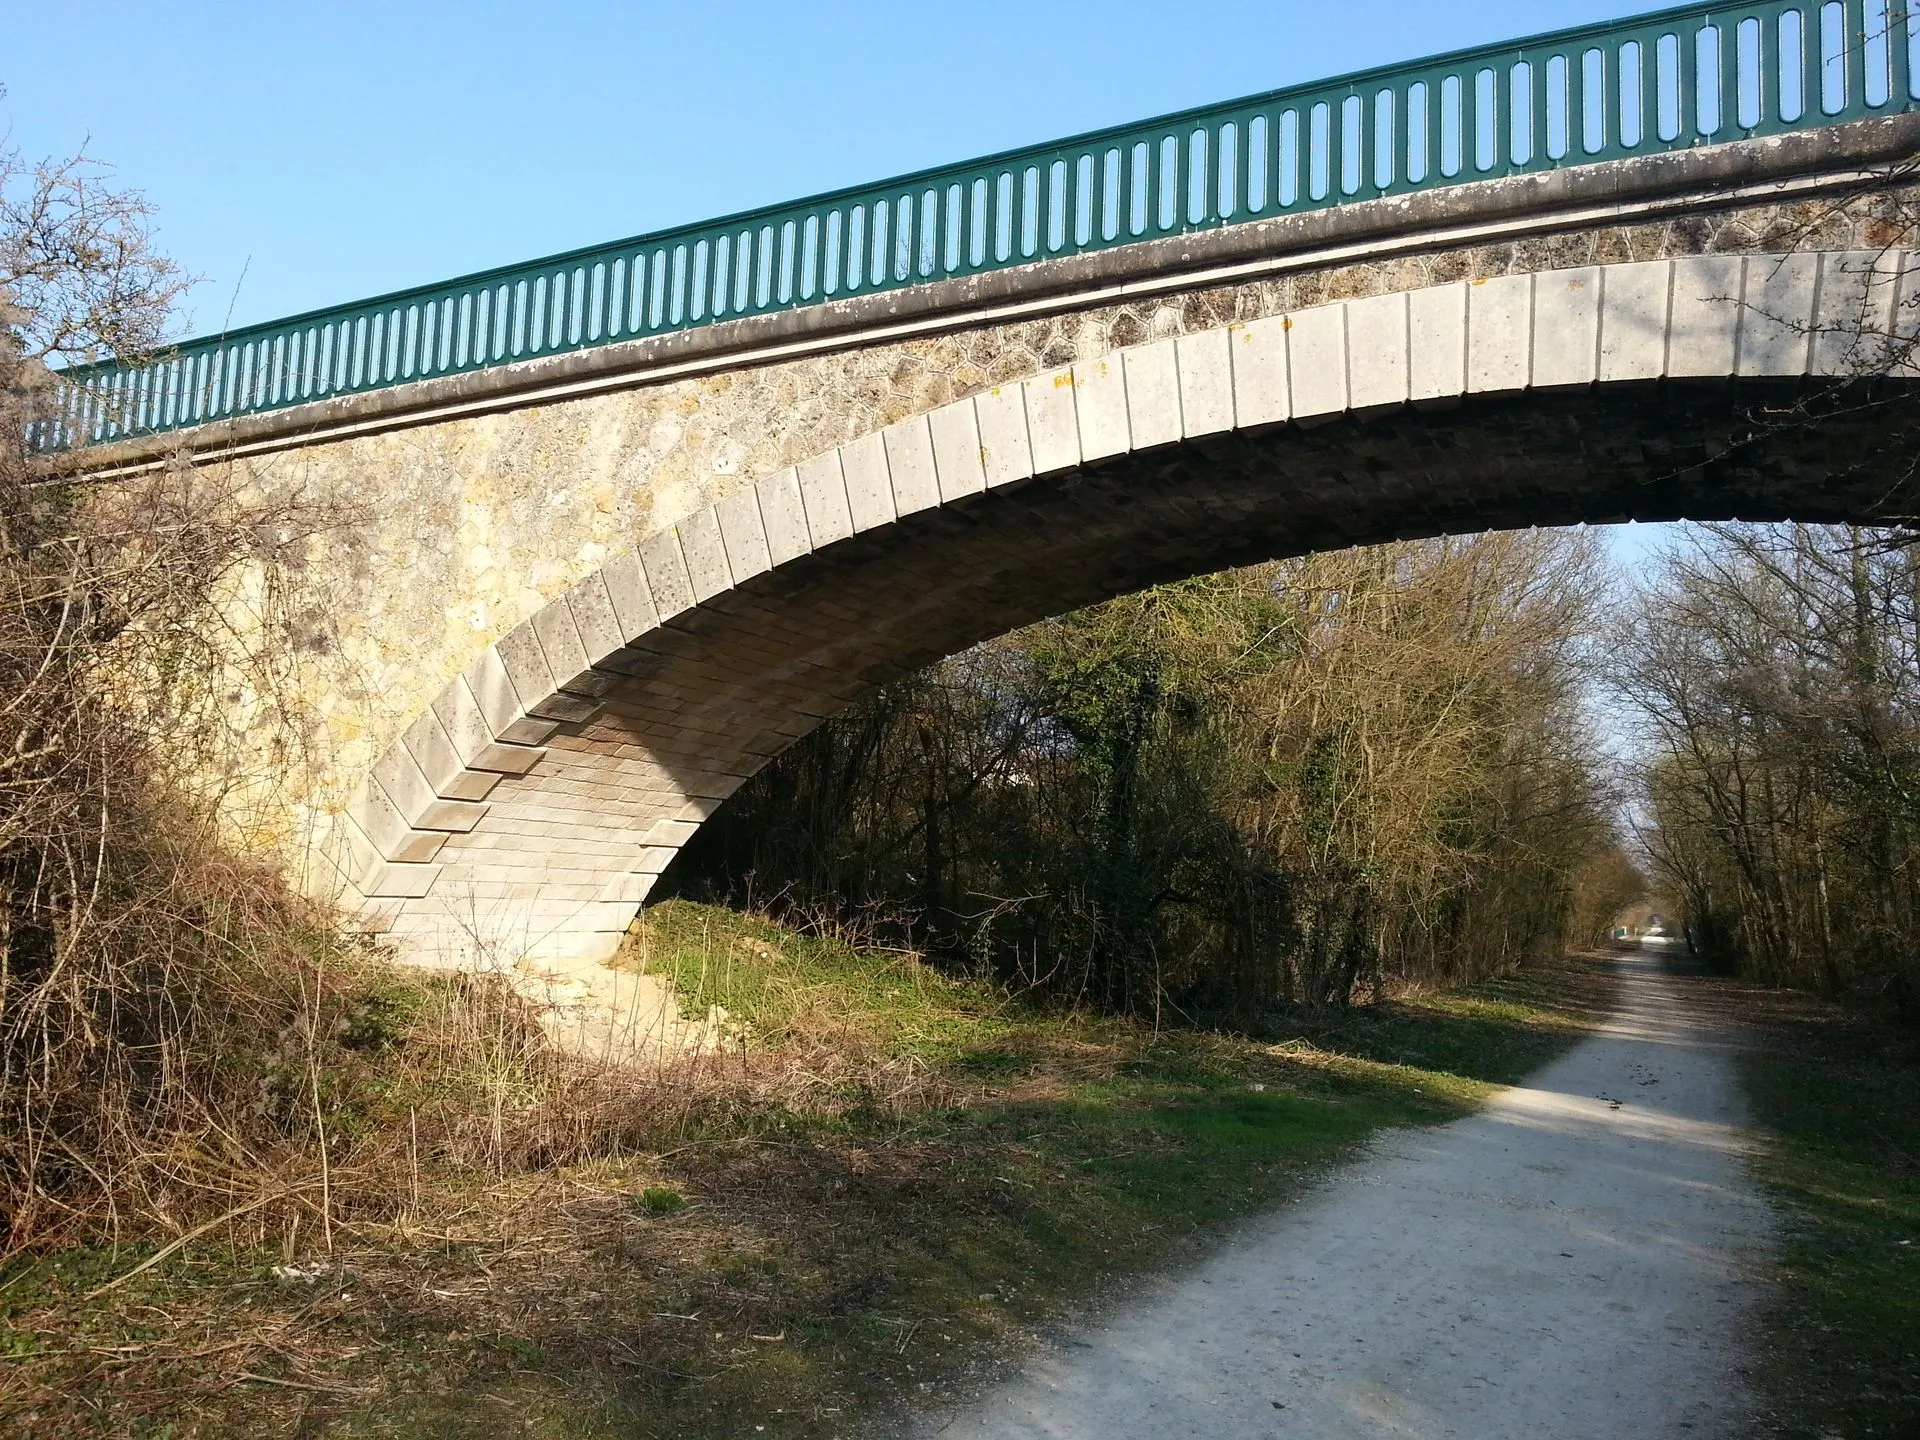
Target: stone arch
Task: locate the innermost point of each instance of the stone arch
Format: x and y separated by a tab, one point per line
530	808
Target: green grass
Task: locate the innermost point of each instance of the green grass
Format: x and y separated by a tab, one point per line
1839	1099
777	986
907	1177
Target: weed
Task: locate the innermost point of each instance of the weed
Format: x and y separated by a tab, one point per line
881	1180
658	1200
1838	1097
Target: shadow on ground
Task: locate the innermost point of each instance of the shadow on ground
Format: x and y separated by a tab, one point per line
906	1178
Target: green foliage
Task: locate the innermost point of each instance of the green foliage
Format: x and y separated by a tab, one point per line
1778	673
776	984
1840	1100
1287	785
380	1018
781	1259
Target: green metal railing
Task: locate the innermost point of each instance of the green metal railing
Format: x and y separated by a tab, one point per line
1697	75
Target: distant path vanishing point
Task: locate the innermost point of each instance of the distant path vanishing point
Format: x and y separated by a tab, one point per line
1555	1265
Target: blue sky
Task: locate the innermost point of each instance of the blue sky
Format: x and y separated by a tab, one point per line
327	152
302	155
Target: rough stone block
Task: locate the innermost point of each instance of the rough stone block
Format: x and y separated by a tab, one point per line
1776	314
785	513
1377	359
744	535
382	823
916	482
824	493
1004	452
863	464
1205	363
1317	362
1100	397
957	451
526	664
1705	315
627	591
1262	389
594	618
498	703
1437	343
1855	313
426	740
1634	301
566	653
1904	352
1499	334
666	571
628	888
1566	328
706	554
1153	394
1053	427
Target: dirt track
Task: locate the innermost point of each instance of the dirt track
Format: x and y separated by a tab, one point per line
1576	1261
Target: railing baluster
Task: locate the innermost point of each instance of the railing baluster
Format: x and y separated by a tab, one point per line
1727	57
1687	77
1895	24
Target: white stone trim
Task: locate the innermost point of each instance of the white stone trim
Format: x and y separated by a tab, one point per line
1555	331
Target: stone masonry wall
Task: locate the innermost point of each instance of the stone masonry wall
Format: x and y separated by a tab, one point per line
441	537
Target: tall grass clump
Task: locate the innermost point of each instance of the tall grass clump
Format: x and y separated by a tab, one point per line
182	1038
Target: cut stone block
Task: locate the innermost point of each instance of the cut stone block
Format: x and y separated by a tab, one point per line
957	451
1205	362
1499	334
705	553
1262	388
916	485
1566	328
1004	452
1053	428
785	513
863	465
824	493
1633	320
1317	362
1153	394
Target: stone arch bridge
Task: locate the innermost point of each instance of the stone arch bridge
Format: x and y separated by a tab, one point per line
630	522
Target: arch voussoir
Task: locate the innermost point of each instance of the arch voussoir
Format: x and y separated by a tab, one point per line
531	808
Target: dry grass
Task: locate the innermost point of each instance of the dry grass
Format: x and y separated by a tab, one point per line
1836	1091
783	1233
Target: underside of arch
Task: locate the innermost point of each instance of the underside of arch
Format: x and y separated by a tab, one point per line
527	812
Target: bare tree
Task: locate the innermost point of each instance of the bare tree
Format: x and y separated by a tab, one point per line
1778	672
1293	783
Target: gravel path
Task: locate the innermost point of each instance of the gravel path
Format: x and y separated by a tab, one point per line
1576	1261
